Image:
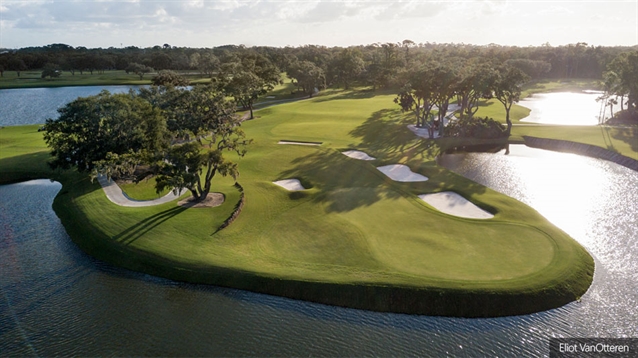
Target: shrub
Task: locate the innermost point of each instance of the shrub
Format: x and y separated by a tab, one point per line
486	128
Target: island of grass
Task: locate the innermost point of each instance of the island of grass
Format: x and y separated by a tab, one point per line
352	237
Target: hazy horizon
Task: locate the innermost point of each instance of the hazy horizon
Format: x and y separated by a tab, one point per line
279	23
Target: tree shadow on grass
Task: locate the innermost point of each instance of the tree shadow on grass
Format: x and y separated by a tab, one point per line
25	167
351	94
343	183
607	138
137	230
385	131
484	103
628	135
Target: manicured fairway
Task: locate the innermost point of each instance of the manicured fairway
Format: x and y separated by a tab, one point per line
354	237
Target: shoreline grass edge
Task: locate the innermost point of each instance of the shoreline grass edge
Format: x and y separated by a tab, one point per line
471	302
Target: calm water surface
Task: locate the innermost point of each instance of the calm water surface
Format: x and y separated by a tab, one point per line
55	300
34	105
566	108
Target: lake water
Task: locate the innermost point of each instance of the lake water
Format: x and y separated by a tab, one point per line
34	105
55	300
566	108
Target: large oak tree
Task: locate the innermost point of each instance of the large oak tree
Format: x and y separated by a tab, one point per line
182	135
89	128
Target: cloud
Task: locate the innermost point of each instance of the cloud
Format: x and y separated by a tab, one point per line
292	22
558	10
411	9
328	11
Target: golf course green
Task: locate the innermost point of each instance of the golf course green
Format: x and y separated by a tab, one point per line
352	238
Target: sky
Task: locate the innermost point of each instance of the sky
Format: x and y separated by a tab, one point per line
201	23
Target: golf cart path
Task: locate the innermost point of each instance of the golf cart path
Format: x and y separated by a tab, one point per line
115	194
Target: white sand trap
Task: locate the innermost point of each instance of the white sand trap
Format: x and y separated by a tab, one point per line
452	203
298	143
400	172
357	154
290	184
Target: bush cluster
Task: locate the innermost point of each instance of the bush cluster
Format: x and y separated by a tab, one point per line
486	128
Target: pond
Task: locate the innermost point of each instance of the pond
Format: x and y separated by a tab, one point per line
55	300
565	108
34	105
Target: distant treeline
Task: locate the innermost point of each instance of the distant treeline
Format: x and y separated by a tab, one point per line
377	64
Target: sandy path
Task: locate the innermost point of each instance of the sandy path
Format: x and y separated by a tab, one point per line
115	194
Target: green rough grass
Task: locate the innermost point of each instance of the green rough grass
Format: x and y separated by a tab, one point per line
623	140
494	109
23	154
144	190
355	238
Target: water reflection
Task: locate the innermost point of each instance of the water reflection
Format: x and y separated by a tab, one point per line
34	105
566	108
568	189
55	300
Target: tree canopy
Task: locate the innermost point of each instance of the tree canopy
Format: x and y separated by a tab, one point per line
89	128
621	79
50	70
307	76
507	89
247	77
180	134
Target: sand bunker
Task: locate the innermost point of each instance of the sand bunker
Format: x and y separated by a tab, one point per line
357	154
400	172
298	143
454	204
290	184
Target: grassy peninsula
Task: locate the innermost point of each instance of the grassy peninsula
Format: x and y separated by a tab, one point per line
354	238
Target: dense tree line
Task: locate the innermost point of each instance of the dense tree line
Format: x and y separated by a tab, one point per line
377	64
468	72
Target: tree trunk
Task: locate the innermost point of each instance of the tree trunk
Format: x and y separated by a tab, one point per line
203	195
442	114
473	112
195	194
509	122
611	109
